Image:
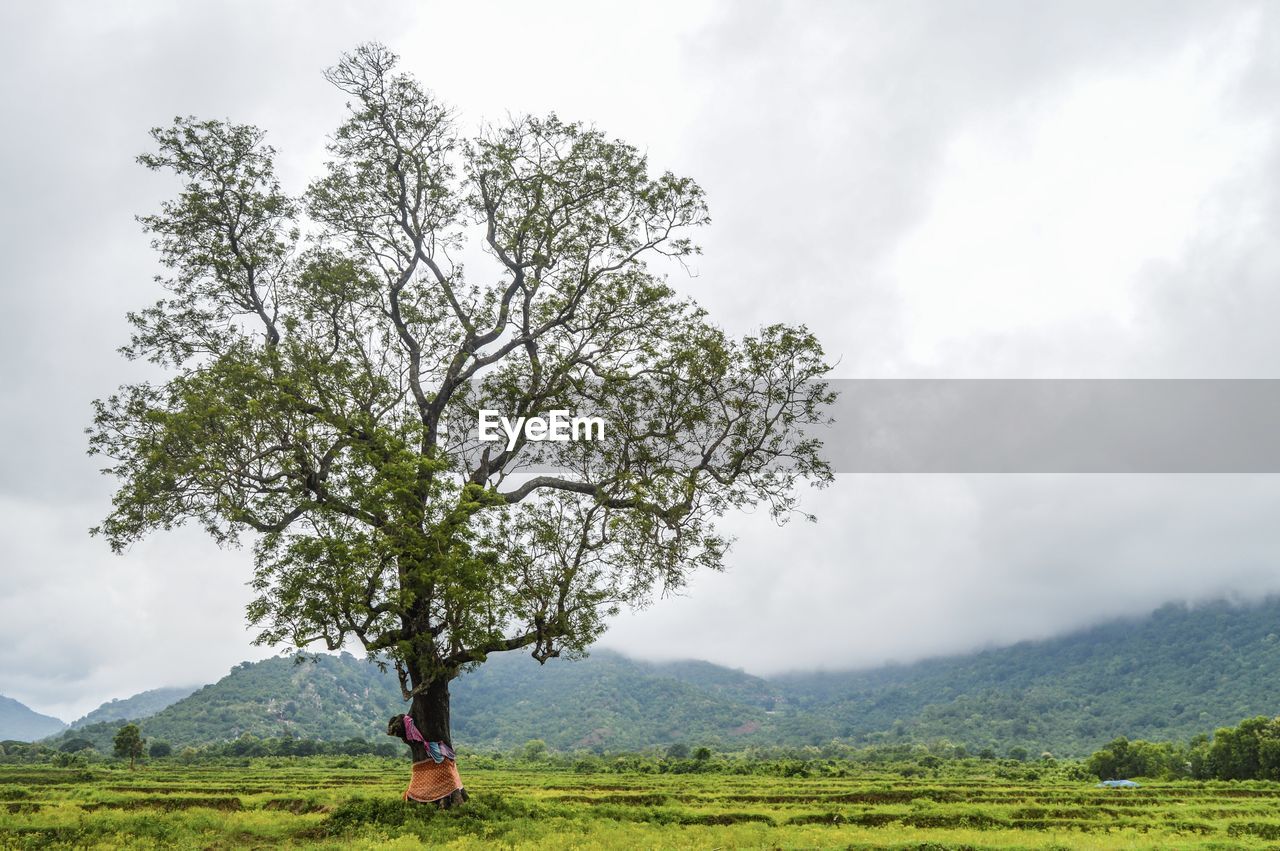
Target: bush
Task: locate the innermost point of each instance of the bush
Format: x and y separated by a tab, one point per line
534	750
480	814
70	760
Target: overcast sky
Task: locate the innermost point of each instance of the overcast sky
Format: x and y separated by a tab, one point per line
947	189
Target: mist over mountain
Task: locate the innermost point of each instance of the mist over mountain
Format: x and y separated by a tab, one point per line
141	705
1178	672
19	721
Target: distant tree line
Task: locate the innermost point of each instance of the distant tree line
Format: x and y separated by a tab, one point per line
128	744
835	759
1248	751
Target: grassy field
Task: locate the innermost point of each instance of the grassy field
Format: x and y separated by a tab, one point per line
354	803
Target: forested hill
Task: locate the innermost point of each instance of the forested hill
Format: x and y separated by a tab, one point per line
1171	675
605	701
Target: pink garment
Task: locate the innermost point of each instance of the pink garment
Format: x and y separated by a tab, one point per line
411	732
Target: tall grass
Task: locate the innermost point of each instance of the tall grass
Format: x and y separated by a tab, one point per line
355	803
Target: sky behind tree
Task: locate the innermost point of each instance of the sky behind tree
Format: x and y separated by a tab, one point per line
954	190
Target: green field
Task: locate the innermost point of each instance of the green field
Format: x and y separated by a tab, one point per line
345	803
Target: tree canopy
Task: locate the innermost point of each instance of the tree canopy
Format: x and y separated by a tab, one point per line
129	743
327	356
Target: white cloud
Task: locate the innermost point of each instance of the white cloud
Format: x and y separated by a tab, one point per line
1047	214
906	567
984	189
82	625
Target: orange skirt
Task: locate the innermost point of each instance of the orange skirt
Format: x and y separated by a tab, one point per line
432	781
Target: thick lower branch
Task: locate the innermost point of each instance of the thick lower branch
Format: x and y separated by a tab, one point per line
556	483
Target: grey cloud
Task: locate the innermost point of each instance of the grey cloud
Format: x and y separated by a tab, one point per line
822	135
82	85
905	567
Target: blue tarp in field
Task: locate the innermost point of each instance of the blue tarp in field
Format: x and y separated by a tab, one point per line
1119	784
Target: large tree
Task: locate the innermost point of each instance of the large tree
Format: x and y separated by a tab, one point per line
128	742
326	357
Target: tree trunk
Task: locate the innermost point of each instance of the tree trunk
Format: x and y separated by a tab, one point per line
430	713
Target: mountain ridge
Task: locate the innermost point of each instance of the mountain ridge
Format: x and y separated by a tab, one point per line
1179	671
144	704
22	723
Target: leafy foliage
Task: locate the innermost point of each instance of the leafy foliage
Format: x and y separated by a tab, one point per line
1248	751
320	389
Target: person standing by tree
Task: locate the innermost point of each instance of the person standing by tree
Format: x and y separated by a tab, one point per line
324	389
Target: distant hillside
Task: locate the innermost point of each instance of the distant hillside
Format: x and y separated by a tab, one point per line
728	683
605	701
23	724
608	701
1178	672
334	697
141	705
1171	675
